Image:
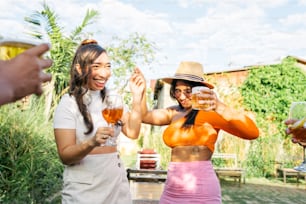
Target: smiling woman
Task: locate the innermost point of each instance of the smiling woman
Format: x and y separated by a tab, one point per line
192	133
81	132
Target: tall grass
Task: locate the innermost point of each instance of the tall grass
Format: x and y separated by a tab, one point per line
30	171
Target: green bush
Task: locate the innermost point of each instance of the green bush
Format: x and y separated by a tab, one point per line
30	170
268	92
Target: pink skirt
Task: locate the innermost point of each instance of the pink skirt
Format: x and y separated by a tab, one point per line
191	182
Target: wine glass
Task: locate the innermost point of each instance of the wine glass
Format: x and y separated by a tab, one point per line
112	113
298	112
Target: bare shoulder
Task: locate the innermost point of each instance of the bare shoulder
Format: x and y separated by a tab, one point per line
173	111
174	108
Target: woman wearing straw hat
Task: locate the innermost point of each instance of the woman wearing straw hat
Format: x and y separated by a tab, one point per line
191	135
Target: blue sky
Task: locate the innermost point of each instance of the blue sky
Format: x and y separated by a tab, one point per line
222	35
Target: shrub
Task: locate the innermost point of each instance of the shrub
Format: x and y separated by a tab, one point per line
30	170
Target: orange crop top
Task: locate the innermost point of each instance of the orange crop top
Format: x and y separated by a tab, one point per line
205	130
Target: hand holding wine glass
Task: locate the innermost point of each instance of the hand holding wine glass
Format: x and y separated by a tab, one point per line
297	121
297	129
112	113
298	114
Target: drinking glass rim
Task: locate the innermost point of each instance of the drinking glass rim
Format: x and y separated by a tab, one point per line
22	42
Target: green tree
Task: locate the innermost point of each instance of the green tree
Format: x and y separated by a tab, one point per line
45	26
269	91
30	171
126	54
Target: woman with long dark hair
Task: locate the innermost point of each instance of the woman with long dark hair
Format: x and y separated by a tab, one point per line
94	172
191	134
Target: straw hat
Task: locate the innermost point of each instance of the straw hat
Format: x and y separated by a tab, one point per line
190	71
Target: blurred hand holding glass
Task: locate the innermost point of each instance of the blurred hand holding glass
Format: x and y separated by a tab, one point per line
298	112
10	48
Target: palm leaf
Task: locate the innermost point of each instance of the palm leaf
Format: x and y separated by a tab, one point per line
88	19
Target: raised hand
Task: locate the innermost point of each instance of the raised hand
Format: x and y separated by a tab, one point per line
137	82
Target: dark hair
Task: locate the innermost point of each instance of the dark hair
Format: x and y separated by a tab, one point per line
85	55
190	117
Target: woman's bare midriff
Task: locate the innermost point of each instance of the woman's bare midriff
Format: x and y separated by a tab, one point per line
190	153
104	150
